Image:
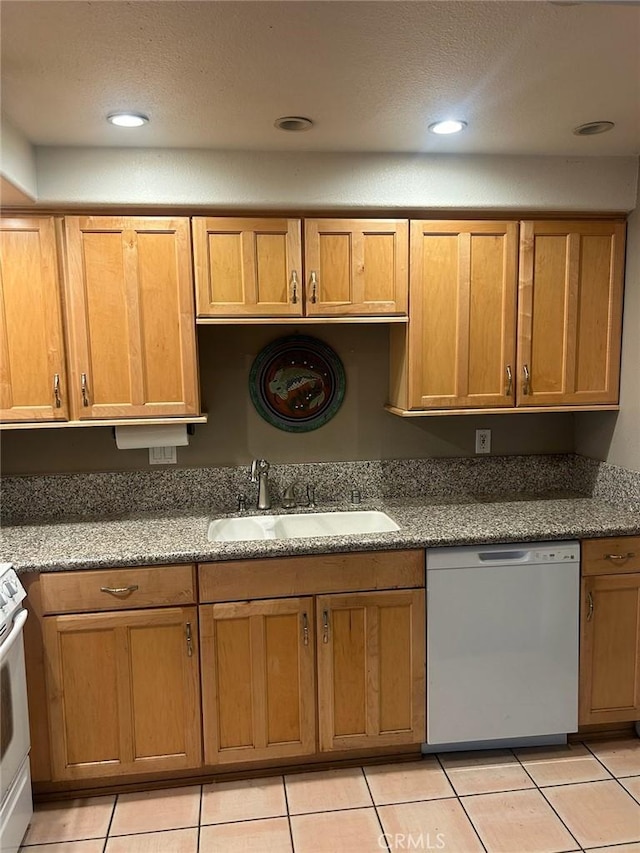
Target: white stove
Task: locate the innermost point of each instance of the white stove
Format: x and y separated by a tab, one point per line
15	781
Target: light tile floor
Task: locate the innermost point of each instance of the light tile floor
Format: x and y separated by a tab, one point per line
551	800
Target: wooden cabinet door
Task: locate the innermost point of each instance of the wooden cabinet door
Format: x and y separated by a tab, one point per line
258	680
356	267
570	312
123	692
463	314
33	384
371	669
610	649
247	267
131	317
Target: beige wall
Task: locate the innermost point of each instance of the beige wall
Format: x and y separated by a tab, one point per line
236	433
615	437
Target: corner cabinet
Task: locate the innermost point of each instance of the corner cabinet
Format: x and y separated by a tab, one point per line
130	314
254	268
261	696
33	382
496	331
610	631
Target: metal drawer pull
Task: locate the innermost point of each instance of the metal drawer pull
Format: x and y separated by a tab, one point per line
83	385
119	590
294	287
628	556
590	602
509	380
325	626
56	390
305	629
527	379
189	641
314	288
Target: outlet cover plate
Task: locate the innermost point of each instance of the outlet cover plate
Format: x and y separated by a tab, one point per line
483	441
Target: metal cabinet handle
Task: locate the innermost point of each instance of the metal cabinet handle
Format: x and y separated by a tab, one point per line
305	629
615	557
119	590
325	626
189	640
590	603
56	390
526	387
294	287
509	380
314	288
83	385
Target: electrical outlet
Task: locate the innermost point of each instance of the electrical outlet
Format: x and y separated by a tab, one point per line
483	441
163	456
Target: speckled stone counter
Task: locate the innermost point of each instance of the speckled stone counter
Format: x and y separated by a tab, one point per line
178	538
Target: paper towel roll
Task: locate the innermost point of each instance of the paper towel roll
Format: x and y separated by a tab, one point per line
157	435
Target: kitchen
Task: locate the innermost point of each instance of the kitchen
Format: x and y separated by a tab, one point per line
364	447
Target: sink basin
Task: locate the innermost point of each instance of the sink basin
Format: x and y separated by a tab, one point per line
299	526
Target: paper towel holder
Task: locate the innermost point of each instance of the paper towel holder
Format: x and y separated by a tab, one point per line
191	429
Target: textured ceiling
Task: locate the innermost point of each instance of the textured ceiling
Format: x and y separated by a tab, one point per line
371	75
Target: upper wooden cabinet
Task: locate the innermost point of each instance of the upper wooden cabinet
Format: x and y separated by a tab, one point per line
356	267
570	312
130	314
461	338
33	383
247	267
464	348
255	267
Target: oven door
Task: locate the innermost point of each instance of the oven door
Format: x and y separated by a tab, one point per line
14	714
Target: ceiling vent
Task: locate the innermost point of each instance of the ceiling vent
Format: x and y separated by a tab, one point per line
593	127
294	124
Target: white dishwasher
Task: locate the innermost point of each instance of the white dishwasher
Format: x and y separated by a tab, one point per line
502	644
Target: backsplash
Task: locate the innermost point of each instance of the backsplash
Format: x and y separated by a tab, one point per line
93	495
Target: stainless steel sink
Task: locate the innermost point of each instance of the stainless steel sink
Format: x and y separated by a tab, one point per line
299	526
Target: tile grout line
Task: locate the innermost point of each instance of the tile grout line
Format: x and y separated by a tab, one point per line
286	805
613	776
459	799
199	818
113	814
383	834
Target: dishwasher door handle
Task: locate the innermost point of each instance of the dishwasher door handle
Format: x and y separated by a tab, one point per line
503	556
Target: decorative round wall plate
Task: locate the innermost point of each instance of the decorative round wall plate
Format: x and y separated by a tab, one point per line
297	383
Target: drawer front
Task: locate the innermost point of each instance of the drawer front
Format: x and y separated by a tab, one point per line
243	580
612	555
117	589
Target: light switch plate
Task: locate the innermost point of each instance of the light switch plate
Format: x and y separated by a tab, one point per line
163	456
483	441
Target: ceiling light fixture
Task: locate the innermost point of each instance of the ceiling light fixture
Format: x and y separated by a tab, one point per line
449	126
123	119
293	123
593	127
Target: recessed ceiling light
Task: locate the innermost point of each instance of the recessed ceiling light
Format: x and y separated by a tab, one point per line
127	119
593	127
449	126
293	123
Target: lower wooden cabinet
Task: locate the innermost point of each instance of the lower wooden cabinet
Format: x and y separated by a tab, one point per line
123	691
610	630
258	665
610	649
371	669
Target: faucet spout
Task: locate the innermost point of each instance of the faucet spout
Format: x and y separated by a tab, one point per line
260	475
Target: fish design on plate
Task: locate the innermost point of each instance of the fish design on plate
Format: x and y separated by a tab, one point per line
302	389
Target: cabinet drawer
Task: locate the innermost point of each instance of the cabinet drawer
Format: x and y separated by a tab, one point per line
612	555
243	580
117	589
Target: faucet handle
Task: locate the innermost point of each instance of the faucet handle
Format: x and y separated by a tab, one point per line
311	496
258	466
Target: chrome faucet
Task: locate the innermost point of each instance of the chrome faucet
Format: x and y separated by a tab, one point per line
259	474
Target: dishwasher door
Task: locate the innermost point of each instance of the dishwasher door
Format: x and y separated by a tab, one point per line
502	642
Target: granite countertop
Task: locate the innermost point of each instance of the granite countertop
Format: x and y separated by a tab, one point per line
182	538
